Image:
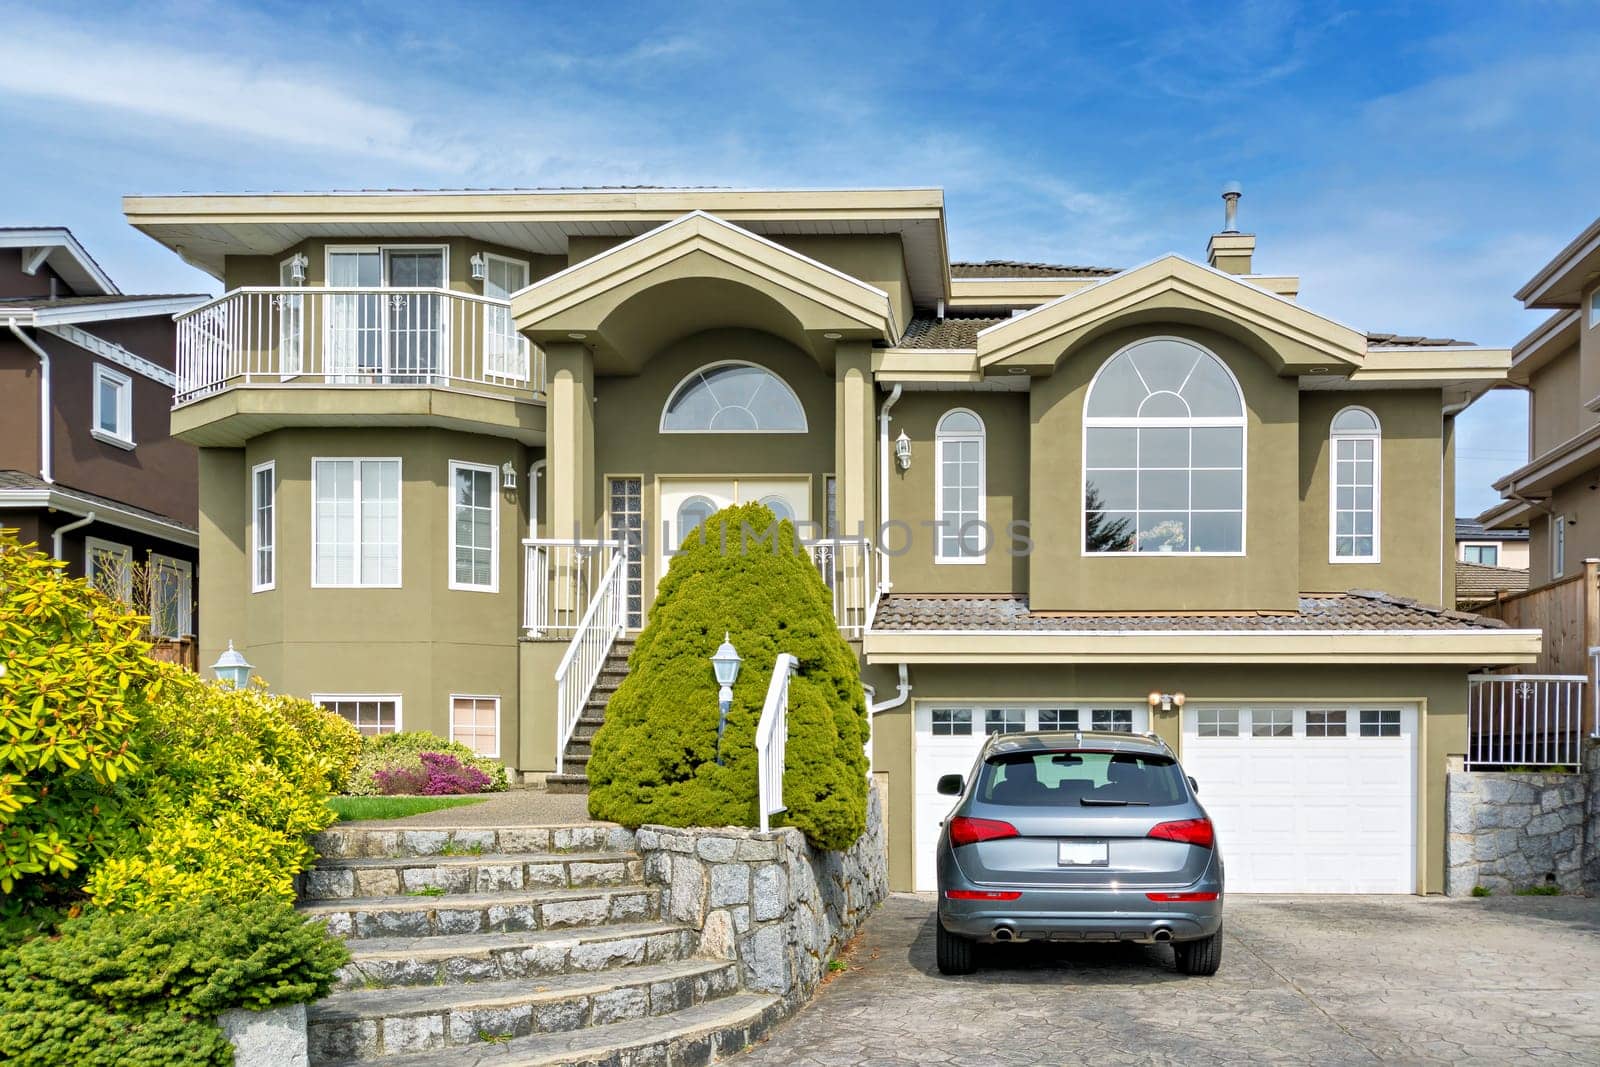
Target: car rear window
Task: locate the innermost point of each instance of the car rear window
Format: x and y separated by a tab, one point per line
1078	779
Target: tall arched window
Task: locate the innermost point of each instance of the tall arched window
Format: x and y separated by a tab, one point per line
1355	443
958	488
733	398
1163	448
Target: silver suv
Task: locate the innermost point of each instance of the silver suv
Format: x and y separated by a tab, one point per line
1074	837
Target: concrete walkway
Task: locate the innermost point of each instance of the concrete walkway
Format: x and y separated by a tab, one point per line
515	807
1326	980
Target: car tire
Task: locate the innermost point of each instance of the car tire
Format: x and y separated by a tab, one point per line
957	955
1201	957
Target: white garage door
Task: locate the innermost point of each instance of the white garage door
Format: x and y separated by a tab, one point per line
948	737
1308	799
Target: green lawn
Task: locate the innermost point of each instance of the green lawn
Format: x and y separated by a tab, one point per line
352	809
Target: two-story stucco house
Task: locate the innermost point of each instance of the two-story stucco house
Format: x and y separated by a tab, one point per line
448	439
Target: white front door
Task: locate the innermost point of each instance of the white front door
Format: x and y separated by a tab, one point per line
1308	799
688	502
949	736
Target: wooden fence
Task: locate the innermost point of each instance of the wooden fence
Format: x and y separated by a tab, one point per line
1568	611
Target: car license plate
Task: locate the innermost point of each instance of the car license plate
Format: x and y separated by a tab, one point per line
1082	854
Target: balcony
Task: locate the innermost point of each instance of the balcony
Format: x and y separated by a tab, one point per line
352	337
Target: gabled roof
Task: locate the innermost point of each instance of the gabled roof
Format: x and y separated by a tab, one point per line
55	245
19	489
1560	283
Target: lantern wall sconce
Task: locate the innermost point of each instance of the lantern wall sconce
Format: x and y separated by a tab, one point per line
1167	701
508	475
480	266
902	451
297	268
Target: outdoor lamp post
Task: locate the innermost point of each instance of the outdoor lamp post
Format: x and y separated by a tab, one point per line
233	668
726	665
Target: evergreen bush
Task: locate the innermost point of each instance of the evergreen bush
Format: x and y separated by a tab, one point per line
655	758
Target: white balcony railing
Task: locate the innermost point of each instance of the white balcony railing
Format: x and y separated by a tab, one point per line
1524	720
348	336
563	577
850	569
772	735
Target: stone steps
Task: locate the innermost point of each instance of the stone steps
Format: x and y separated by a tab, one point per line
465	958
367	1024
481	913
694	1035
351	842
388	876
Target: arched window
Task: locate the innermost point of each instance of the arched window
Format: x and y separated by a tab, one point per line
958	488
1355	442
733	398
691	514
1163	448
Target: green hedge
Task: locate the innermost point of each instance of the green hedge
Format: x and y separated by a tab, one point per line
384	752
655	758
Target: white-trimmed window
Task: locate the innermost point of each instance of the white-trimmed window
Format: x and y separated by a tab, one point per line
113	407
474	527
1354	488
370	713
1164	453
1218	722
108	566
263	526
958	489
475	722
733	397
1594	309
505	351
1558	545
1483	555
171	607
355	522
1272	722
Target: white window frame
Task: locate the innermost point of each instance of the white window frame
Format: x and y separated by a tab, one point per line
1594	309
1467	546
981	438
186	609
122	436
399	704
400	554
383	249
256	584
477	696
494	526
1242	421
1558	545
1376	437
805	420
116	548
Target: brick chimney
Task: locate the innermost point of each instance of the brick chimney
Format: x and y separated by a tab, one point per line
1231	250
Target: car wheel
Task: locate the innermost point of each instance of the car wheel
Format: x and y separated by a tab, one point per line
1201	957
957	955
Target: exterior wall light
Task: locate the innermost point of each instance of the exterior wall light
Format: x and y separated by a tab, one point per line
1167	701
508	475
232	668
297	268
902	451
725	664
480	266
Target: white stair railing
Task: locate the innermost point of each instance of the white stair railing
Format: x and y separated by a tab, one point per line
563	576
1524	720
586	654
772	735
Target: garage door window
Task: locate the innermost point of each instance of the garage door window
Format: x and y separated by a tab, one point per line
952	722
1384	723
1117	720
1219	722
1005	720
1272	722
1325	724
1058	718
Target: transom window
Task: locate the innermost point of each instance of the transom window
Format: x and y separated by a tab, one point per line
733	398
1164	431
1356	440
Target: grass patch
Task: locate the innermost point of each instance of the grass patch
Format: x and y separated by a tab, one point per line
1482	891
1539	891
354	809
426	891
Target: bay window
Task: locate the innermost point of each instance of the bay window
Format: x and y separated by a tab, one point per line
356	522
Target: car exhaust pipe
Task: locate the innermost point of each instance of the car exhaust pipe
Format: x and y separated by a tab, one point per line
1162	936
1004	933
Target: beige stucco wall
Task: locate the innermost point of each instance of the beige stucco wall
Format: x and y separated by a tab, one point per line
263	270
1061	577
1580	505
1442	692
424	640
1555	404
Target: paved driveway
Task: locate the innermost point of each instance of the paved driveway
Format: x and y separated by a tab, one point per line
1303	979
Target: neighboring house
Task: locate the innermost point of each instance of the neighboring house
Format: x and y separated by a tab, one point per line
1504	548
1477	585
88	469
409	404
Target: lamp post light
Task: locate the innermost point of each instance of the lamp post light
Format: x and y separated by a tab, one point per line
725	663
231	667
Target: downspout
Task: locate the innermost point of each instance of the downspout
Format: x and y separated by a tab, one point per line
884	584
44	400
898	699
56	546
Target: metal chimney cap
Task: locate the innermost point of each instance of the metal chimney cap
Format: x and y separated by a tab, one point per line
1232	189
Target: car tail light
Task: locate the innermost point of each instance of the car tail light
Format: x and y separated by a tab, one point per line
980	894
968	831
1189	831
1184	898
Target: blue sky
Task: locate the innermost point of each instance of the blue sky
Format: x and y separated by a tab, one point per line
1412	162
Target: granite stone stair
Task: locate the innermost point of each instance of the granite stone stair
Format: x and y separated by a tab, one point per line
518	945
574	777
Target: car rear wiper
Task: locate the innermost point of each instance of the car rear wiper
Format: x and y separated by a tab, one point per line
1091	802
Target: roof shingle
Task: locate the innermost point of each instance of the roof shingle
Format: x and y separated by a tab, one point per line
20	480
1011	268
1476	583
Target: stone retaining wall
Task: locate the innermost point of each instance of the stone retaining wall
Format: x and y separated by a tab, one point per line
1511	831
771	901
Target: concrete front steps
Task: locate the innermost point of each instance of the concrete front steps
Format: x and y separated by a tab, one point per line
554	953
574	777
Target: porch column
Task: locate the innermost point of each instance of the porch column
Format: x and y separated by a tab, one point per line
855	439
569	437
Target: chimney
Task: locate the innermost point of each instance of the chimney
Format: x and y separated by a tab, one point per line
1231	250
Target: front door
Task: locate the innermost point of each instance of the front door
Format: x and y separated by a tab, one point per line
688	502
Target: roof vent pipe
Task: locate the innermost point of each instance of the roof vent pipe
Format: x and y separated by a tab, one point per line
1230	197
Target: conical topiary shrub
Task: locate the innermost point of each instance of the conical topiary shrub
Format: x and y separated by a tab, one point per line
654	759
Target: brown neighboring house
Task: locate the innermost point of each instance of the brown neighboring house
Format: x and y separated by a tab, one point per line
88	468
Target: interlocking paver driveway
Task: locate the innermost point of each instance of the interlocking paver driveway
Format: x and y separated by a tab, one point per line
1303	979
